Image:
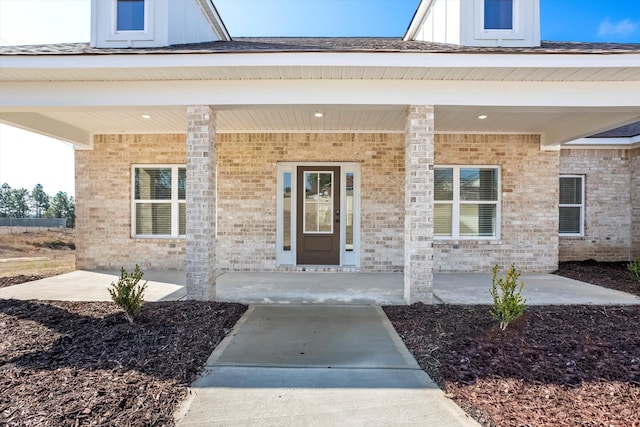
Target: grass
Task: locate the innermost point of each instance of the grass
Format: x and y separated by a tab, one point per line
31	266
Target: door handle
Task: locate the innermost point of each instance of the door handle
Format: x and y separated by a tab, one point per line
337	216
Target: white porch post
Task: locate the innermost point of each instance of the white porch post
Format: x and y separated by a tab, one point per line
201	203
418	219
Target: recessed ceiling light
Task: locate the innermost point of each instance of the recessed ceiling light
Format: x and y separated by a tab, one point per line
482	116
146	116
318	114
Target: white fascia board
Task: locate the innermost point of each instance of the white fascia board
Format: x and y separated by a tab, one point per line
604	143
210	11
23	96
418	19
34	122
322	59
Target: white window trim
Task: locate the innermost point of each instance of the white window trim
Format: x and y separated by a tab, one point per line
456	202
146	34
347	258
175	202
573	205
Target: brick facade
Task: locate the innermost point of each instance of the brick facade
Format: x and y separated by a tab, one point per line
529	222
246	199
103	203
607	229
247	192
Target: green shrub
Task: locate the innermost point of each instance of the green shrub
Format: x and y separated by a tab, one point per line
507	304
634	269
127	293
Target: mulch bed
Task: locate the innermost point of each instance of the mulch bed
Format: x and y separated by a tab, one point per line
613	275
556	365
16	280
82	363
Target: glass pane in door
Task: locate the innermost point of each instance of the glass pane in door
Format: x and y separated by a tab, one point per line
318	203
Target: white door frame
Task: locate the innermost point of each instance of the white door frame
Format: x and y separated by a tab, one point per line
288	257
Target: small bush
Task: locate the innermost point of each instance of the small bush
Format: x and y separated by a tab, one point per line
634	269
507	304
127	293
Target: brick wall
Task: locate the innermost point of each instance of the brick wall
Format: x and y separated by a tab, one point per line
529	224
103	203
635	201
247	192
608	205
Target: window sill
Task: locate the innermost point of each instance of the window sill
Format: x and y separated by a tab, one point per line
152	238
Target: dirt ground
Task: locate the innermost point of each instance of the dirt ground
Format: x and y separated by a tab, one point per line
26	256
68	363
613	275
555	366
82	363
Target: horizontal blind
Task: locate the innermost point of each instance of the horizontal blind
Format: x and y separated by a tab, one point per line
571	190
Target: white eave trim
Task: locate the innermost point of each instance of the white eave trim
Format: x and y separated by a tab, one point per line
210	11
321	59
418	19
604	143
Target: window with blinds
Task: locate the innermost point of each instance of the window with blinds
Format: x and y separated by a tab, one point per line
571	205
159	203
466	202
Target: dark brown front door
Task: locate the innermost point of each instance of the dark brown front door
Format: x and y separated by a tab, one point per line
318	239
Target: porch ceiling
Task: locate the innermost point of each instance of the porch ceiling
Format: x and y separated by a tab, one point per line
559	124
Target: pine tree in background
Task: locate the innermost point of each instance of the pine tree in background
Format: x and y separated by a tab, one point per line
19	203
5	197
40	201
62	206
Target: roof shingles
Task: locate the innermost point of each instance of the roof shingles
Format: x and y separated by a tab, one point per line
334	44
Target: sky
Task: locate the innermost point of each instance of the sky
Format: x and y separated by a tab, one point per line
27	159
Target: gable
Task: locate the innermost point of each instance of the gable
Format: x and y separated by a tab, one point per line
154	23
488	23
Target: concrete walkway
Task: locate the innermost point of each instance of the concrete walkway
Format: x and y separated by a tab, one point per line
319	288
539	289
83	285
316	365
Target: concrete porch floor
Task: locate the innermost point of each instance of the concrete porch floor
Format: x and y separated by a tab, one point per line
319	288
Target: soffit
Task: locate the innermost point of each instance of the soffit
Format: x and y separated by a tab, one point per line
335	119
435	73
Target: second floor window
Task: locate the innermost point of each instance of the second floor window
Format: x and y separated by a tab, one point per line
498	14
130	15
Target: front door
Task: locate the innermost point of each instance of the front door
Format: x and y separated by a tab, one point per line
318	219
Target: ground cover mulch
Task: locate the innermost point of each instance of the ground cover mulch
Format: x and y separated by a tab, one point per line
555	366
16	280
82	363
613	275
